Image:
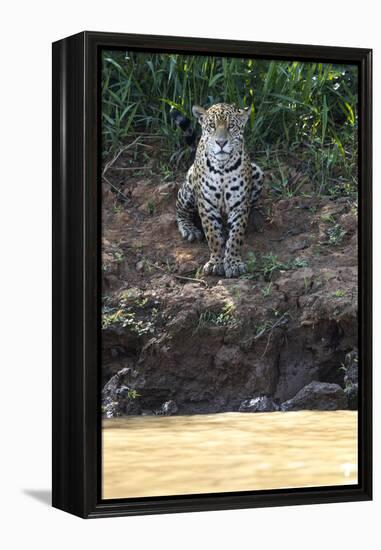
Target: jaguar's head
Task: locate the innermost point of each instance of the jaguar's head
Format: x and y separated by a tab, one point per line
222	128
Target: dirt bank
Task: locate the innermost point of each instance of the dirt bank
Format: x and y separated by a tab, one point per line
210	343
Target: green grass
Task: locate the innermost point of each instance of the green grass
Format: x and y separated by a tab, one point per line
303	122
267	265
339	293
151	206
266	291
224	317
119	256
134	314
327	218
335	234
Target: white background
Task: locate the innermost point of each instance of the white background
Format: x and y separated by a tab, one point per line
27	30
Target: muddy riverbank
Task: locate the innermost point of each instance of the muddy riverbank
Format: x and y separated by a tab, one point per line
209	343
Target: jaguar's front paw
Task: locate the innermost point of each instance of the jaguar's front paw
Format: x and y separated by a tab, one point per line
214	267
234	267
191	233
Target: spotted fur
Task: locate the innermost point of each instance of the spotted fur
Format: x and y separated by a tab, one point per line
221	186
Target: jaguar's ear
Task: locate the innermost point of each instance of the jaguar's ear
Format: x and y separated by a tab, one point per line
198	112
245	114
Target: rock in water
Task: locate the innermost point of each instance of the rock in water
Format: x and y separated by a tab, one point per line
259	404
168	408
319	396
118	395
352	393
351	368
351	379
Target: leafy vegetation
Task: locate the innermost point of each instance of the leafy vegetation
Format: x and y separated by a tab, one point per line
224	318
268	264
135	315
339	293
302	128
336	234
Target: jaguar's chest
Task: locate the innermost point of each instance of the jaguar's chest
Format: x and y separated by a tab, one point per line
222	189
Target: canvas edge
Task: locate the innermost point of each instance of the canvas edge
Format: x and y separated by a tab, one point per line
76	461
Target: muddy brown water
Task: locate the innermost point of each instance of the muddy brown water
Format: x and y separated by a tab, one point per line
151	456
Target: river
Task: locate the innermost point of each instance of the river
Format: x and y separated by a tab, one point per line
151	456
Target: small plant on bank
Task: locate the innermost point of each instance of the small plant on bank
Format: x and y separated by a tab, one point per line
251	262
335	234
199	273
223	318
151	206
118	209
267	290
269	264
133	394
327	218
119	256
166	171
339	293
124	315
286	182
261	328
297	263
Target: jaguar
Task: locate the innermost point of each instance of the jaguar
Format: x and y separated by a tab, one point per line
221	186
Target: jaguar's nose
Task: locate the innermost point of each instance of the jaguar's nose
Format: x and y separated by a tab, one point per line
221	142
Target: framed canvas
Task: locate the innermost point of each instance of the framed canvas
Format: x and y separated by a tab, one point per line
211	274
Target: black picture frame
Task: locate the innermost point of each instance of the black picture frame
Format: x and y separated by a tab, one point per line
76	267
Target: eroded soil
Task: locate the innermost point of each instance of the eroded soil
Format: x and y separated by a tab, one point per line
209	342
